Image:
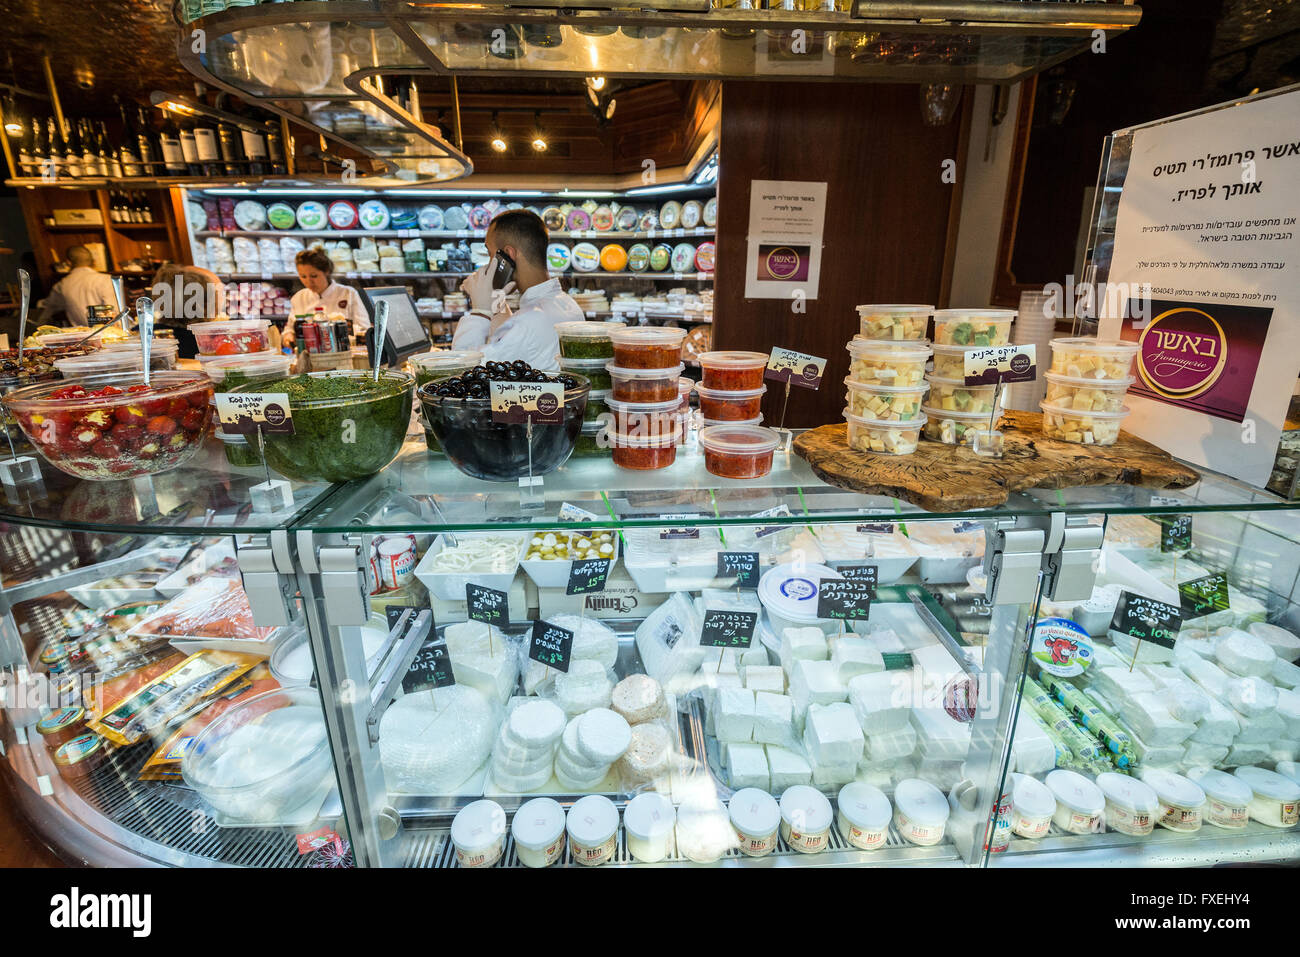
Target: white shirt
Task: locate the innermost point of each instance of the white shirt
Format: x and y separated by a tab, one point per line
335	298
529	334
79	289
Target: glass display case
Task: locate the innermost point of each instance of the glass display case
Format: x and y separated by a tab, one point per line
668	667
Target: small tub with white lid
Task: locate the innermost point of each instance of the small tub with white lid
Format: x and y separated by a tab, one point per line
864	813
1275	798
704	831
1079	803
1182	802
893	322
1131	805
538	829
887	363
756	817
920	812
805	819
1032	807
973	328
99	363
648	820
1227	803
593	829
479	833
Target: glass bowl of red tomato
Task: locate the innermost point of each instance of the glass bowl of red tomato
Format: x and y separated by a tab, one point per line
231	337
114	426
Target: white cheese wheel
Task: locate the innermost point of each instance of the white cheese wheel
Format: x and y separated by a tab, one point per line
433	749
1245	655
537	724
1284	643
638	698
603	736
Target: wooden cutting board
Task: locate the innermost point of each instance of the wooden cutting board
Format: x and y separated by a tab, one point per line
948	478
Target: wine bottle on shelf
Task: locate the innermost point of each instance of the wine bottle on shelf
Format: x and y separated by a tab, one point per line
190	150
148	145
89	158
231	153
108	158
25	161
71	152
275	154
146	208
253	142
205	143
127	151
40	149
170	142
58	170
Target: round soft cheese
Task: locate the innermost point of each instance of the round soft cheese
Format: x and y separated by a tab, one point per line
638	698
603	736
519	753
537	724
428	749
1252	696
510	760
647	753
585	687
1284	643
579	770
569	740
1244	654
521	783
578	783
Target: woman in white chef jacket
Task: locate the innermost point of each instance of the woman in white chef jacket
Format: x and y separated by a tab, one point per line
315	270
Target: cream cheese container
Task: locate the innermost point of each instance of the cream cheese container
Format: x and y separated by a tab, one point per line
1131	805
479	833
648	821
920	812
805	819
1227	797
1032	807
593	829
538	829
863	818
1275	798
1079	802
1182	802
756	817
704	831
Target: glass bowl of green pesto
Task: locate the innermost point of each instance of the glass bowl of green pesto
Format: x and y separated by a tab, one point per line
346	425
586	340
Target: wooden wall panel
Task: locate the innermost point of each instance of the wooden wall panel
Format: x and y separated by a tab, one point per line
886	224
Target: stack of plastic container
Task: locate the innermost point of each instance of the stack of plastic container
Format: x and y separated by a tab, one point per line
731	387
886	380
585	349
955	410
1086	385
645	399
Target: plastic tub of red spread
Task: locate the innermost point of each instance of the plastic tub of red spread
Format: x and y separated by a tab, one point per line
644	452
733	371
77	758
706	423
60	727
231	337
648	347
644	418
730	406
685	387
645	385
738	451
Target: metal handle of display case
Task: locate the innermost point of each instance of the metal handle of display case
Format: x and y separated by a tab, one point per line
946	639
384	693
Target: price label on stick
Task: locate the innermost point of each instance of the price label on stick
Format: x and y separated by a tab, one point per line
671	533
1175	532
588	575
796	368
543	402
1146	619
728	629
551	645
848	599
431	669
1000	364
247	412
1204	596
572	513
739	568
487	605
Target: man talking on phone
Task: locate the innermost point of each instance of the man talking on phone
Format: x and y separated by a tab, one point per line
516	242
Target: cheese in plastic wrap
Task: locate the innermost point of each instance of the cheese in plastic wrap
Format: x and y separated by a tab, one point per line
1206	674
1157	755
1242	654
1147	715
431	742
669	640
1260	728
592	641
215	608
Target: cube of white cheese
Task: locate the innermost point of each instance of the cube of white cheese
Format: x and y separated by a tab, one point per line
891	745
720	661
1032	751
832	735
833	775
886	641
1260	728
802	644
1245	754
855	656
765	678
1198	755
814	682
495	676
1147	715
939	735
787	768
711	684
735	714
755	654
1219	726
881	700
747	767
774	719
1288	709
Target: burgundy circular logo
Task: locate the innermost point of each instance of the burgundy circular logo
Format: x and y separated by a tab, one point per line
782	262
546	403
1020	364
1182	353
273	414
810	371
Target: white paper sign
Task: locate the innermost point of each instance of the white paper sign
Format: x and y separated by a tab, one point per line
786	220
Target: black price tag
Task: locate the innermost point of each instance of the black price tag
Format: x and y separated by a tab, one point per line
1146	619
729	629
551	645
430	669
862	573
588	575
1175	532
845	598
739	567
876	528
668	534
1204	596
487	605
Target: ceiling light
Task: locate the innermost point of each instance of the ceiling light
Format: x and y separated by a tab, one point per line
13	124
539	135
597	83
498	138
609	109
539	144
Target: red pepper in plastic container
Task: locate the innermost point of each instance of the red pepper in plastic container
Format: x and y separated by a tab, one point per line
643	419
733	371
738	451
647	347
644	452
231	337
645	385
730	406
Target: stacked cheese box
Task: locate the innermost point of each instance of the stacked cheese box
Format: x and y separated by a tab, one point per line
1086	386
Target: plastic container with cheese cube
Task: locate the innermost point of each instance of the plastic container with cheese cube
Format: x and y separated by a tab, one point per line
887	437
954	395
1088	358
952	428
893	322
973	328
950	362
883	363
1086	428
887	403
1086	395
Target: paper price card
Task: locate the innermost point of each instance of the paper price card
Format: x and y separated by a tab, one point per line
249	412
487	604
543	402
740	568
876	528
861	573
796	368
1001	364
1175	532
848	599
588	575
1204	596
671	533
572	513
728	629
1147	619
430	669
551	645
765	530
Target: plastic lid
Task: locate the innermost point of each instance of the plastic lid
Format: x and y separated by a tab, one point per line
1174	789
706	423
754	812
959	383
60	720
1075	791
933	413
943	348
805	809
725	395
1031	797
672	372
732	360
685	386
592	820
642	408
133	345
99	362
916	423
856	386
649	815
890	308
445	359
587	330
1288	769
538	824
1269	784
960	315
229	325
1082	413
921	801
648	335
567	363
793	594
478	825
739	439
256	363
864	806
1106	385
1128	793
1090	344
1221	786
231	438
920	349
621	440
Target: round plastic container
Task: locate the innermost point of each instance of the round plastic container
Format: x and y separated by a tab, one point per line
591	441
538	829
648	821
863	817
706	423
806	818
893	321
593	829
1032	806
1085	428
594	369
440	364
648	347
230	371
597	405
99	363
887	363
1227	797
685	387
162	352
644	452
479	833
78	757
730	406
738	451
950	362
953	395
973	328
704	832
1131	805
1086	395
644	419
239	452
756	817
60	727
952	428
888	438
920	812
1089	358
885	403
1275	798
789	596
732	371
1182	802
587	340
230	337
1079	803
645	385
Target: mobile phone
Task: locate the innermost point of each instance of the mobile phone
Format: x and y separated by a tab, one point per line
503	271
